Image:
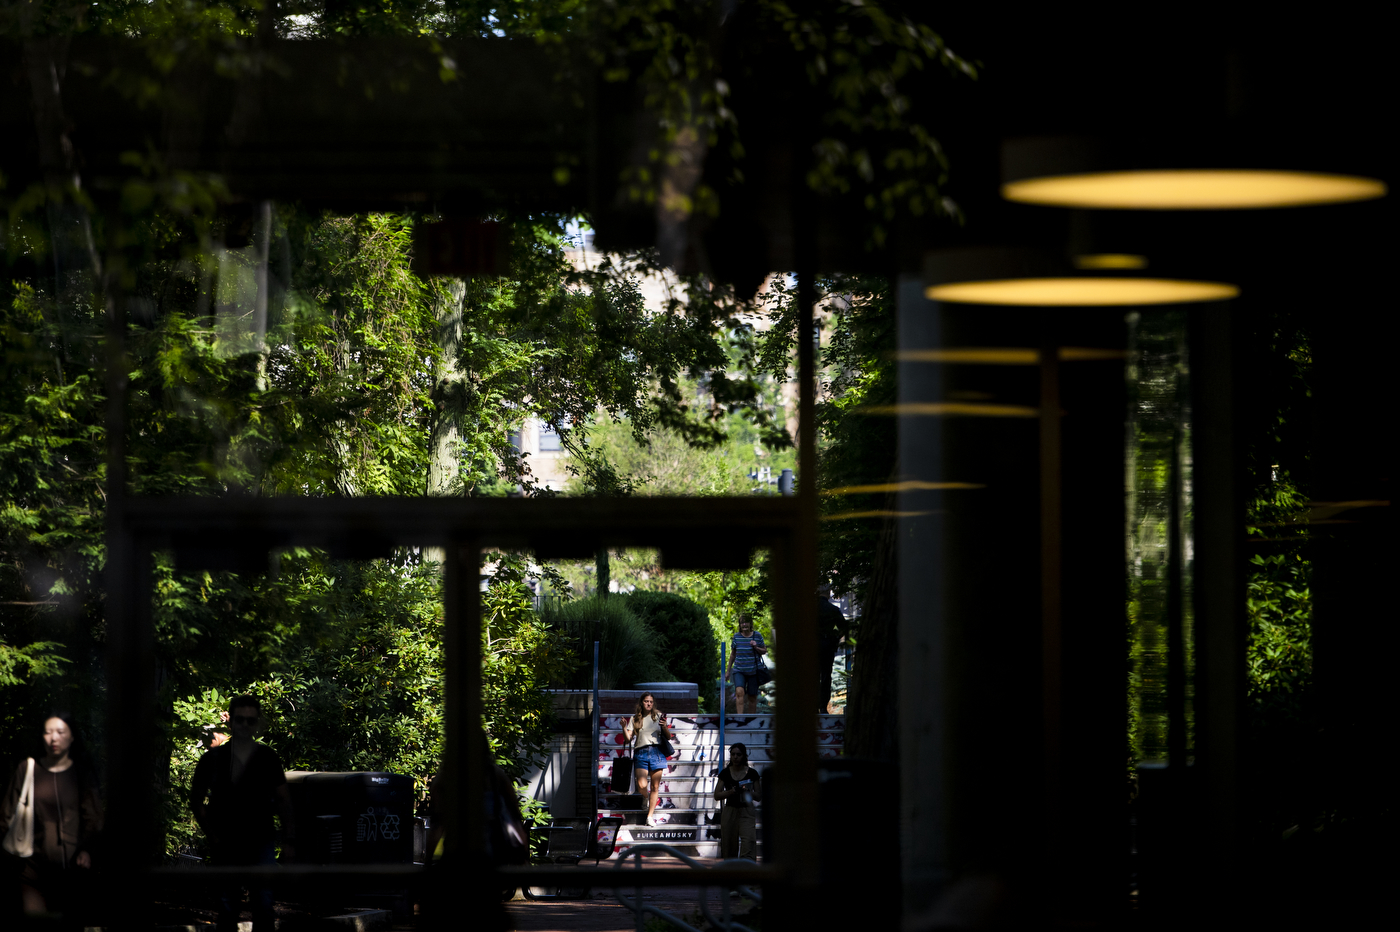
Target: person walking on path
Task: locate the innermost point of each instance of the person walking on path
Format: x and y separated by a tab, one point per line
62	800
739	787
237	788
648	723
746	650
832	626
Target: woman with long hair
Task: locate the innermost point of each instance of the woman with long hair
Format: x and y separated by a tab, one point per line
648	723
746	652
67	818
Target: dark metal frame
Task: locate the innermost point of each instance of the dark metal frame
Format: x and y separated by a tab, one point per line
235	532
239	531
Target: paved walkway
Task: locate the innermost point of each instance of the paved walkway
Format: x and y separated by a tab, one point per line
602	913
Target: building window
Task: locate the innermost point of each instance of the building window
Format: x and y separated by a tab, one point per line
549	440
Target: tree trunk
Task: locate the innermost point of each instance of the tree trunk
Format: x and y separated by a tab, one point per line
446	434
604	572
872	723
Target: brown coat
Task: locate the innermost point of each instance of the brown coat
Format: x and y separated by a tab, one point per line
57	838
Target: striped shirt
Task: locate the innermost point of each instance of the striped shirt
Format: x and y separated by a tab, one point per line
745	657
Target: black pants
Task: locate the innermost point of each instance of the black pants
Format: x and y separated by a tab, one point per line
65	890
248	854
826	656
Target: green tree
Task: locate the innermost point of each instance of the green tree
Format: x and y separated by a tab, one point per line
689	648
629	652
290	351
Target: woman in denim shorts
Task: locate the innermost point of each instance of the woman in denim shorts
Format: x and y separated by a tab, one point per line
648	723
745	657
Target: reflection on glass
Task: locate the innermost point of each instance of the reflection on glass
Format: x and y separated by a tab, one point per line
1110	260
1159	428
1192	190
1081	292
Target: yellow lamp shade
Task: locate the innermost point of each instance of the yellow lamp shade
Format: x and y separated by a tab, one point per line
1183	189
1080	292
1110	260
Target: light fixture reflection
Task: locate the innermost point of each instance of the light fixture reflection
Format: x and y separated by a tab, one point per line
1081	292
1110	260
1183	189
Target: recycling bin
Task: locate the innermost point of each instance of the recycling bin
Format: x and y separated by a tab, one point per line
352	818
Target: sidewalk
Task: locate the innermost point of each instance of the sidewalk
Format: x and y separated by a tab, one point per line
602	913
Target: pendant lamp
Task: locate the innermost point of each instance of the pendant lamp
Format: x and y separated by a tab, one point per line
1089	174
1025	278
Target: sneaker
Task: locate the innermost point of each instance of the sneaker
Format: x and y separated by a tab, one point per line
651	820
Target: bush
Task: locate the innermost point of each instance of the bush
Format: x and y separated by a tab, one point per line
689	648
629	651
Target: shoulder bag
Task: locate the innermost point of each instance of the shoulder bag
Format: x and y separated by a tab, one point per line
763	673
664	744
19	840
621	779
622	774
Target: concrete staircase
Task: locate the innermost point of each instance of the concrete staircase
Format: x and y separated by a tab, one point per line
687	815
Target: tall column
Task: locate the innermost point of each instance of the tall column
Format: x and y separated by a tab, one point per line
464	754
922	622
1219	596
796	732
1012	591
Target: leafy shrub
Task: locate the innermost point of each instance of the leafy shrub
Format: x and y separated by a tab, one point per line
689	648
629	651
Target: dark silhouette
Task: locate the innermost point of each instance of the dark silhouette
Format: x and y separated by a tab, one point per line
832	626
739	787
237	788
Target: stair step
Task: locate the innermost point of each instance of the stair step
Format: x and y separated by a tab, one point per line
610	801
689	777
664	796
732	721
758	754
691	833
707	739
710	739
697	849
678	815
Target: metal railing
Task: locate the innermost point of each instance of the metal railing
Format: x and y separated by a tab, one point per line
641	910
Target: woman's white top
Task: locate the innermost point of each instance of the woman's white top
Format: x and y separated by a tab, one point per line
650	732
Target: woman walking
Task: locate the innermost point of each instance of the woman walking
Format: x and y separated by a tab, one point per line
739	786
746	652
62	801
648	723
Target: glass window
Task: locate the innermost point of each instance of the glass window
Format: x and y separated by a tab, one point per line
549	439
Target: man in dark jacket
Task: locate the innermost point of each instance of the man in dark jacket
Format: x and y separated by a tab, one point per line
237	788
832	626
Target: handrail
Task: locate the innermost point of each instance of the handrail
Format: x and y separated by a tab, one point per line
641	910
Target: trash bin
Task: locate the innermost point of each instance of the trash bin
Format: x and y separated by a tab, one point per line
353	818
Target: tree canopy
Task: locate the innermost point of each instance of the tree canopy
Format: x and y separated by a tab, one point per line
285	349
